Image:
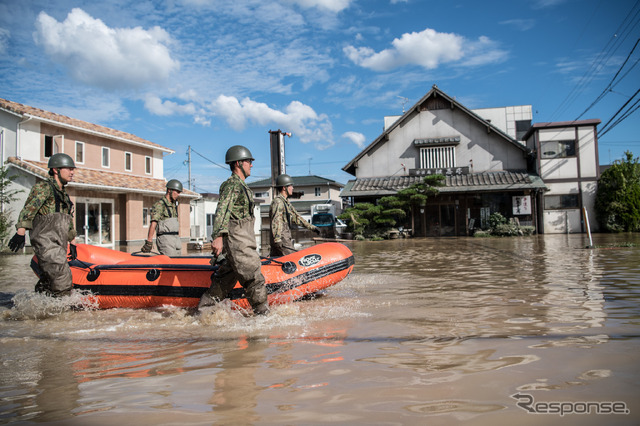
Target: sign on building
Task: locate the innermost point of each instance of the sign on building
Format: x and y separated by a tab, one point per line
521	204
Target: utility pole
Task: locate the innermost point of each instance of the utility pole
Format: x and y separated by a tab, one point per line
278	165
189	161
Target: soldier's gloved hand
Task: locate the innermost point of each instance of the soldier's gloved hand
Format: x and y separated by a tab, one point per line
16	242
316	230
73	252
146	248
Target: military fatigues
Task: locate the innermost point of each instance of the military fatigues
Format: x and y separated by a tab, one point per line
283	216
168	231
234	222
48	215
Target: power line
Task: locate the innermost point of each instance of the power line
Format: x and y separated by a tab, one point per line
600	61
611	85
626	114
211	161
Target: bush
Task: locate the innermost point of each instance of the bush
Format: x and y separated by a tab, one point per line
500	227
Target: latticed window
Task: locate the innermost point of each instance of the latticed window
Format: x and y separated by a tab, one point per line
437	157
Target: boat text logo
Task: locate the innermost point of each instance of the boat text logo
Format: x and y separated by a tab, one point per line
310	260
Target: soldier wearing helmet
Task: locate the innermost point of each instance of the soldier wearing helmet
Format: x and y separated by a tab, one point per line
48	215
283	216
164	220
234	237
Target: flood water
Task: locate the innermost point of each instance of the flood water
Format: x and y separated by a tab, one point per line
424	331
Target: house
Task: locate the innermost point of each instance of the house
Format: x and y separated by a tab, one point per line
566	157
308	191
487	169
203	214
119	176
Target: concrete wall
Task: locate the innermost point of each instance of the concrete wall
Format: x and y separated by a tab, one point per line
571	175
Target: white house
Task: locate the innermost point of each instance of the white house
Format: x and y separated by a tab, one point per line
566	158
486	168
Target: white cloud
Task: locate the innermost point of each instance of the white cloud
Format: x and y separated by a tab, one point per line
109	58
520	24
355	137
4	39
330	5
428	49
297	118
165	108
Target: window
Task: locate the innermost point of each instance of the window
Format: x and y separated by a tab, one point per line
147	165
145	216
558	149
522	126
105	156
261	195
563	201
80	152
318	191
128	159
437	157
49	146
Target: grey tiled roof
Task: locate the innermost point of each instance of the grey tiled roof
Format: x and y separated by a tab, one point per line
473	182
297	181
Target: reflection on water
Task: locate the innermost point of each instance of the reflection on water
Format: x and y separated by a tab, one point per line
444	329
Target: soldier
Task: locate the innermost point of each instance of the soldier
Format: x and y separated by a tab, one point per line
164	220
283	216
233	236
48	215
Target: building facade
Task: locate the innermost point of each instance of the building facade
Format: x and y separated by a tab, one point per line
494	161
308	191
565	156
118	178
486	168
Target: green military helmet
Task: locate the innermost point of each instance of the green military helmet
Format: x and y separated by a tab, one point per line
284	180
61	160
175	184
237	153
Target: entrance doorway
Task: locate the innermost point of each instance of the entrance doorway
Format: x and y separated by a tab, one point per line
440	220
93	222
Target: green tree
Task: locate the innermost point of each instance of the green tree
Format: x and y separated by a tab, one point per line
6	196
617	202
418	193
370	220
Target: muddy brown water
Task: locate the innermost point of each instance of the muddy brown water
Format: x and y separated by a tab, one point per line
534	330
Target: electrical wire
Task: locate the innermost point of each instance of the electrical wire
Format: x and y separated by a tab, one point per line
611	85
621	34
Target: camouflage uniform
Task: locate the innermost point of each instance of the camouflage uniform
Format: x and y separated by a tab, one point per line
234	223
48	215
168	231
283	216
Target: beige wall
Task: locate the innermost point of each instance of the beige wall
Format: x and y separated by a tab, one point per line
93	150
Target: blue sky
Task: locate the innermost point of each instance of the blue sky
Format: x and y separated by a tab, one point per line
214	73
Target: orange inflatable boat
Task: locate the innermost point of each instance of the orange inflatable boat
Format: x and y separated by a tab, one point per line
123	280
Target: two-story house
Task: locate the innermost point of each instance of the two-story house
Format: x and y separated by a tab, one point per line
119	176
486	167
565	156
